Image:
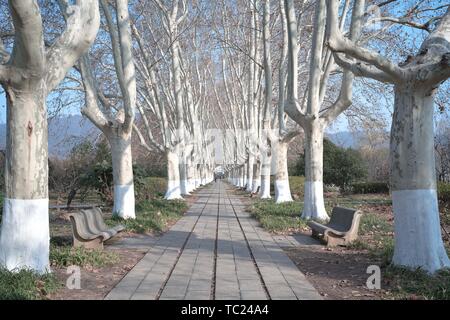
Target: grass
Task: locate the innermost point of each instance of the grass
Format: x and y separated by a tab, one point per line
152	215
376	238
278	218
373	223
410	284
68	256
26	285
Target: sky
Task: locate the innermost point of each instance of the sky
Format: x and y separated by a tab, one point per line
412	37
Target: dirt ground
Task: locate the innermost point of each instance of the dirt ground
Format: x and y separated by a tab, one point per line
336	273
96	283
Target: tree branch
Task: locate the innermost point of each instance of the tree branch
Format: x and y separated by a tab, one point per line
83	21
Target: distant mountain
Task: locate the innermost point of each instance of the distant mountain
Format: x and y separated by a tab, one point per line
345	139
64	133
67	131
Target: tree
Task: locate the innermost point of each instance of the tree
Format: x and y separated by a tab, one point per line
309	113
172	104
418	241
116	123
28	77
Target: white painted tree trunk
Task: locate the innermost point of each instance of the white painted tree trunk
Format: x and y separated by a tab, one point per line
173	176
122	163
314	206
191	177
184	187
24	237
256	177
264	192
249	177
281	185
242	176
31	73
418	239
203	175
236	177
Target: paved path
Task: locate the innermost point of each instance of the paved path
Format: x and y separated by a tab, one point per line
216	251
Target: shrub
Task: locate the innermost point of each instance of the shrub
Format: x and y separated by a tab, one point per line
297	185
444	193
100	178
341	166
370	187
150	188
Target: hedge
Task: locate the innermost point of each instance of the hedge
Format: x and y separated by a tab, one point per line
383	187
370	187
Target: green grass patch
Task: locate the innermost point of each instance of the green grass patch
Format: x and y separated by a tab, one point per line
26	285
152	215
68	256
278	218
409	284
374	223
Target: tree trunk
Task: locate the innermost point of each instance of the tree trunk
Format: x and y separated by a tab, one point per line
282	189
242	176
122	162
184	188
236	176
266	166
256	177
24	237
202	174
418	239
314	206
173	176
249	178
191	176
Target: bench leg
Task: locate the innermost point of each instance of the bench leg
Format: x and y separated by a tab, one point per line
334	242
92	244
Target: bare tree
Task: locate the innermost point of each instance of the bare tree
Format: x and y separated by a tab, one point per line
418	241
116	125
31	73
309	113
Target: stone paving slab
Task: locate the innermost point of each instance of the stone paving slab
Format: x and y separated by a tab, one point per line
216	251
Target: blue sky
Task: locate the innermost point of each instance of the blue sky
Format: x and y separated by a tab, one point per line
413	38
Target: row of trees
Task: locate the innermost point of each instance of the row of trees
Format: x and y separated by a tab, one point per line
339	50
168	71
135	68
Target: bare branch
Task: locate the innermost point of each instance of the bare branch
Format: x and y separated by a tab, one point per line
81	29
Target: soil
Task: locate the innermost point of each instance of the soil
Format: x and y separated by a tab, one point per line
336	273
96	283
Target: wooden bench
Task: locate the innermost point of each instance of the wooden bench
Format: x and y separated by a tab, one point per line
89	229
342	228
